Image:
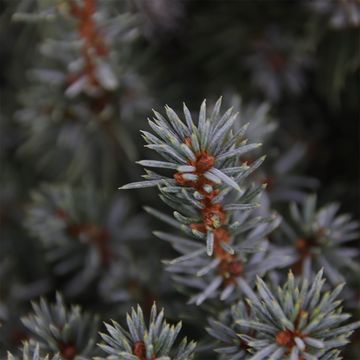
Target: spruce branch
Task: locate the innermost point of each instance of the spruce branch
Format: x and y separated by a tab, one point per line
74	99
225	330
92	39
277	63
322	238
199	157
82	232
225	277
72	224
213	201
142	342
59	329
295	321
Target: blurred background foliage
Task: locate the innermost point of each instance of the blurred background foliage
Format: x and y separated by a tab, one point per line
301	58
